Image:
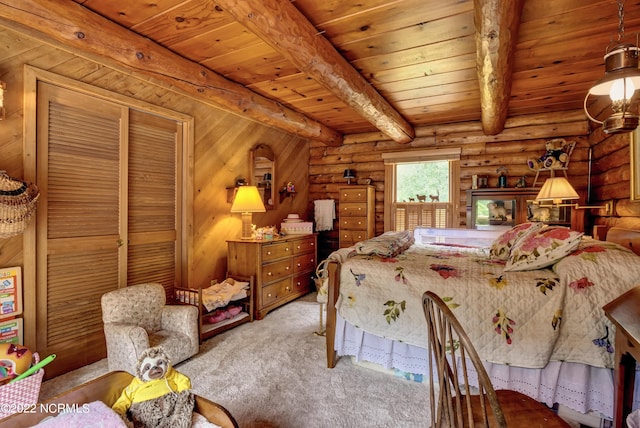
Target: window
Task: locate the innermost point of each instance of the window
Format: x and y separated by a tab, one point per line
421	189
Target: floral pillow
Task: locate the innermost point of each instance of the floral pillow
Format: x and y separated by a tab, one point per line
542	248
501	247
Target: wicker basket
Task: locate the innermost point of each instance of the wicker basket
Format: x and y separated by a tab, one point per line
17	204
21	395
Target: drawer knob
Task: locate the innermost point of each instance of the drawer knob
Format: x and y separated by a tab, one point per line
288	289
268	253
286	249
269	274
269	295
299	264
287	268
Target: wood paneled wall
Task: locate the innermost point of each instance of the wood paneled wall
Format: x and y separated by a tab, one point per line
221	149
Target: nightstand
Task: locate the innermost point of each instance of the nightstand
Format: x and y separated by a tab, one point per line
624	313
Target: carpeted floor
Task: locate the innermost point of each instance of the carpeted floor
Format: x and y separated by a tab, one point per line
272	373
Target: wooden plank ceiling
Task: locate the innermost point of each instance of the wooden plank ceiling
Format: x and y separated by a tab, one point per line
323	69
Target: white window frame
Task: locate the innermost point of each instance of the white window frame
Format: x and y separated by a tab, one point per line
451	208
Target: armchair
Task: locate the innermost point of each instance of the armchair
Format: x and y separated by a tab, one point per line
137	317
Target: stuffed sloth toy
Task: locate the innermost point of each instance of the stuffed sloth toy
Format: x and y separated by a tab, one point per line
158	396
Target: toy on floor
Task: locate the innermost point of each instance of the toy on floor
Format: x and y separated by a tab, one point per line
159	396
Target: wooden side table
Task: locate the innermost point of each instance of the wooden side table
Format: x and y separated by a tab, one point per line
624	313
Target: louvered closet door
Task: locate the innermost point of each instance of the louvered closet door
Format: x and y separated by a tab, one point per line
107	216
79	224
154	180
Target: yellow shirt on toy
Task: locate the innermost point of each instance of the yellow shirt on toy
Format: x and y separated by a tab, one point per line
139	390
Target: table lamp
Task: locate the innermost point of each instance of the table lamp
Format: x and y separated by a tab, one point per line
558	189
247	201
349	174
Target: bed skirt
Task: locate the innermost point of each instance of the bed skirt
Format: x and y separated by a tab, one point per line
582	388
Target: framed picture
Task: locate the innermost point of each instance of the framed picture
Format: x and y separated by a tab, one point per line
635	165
10	292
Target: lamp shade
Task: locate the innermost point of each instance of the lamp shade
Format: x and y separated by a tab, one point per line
557	189
349	173
247	200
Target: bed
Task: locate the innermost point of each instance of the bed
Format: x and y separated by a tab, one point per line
93	400
533	308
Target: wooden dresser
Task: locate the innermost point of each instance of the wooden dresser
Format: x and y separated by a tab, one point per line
357	214
282	267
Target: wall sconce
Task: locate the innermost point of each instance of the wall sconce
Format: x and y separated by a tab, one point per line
349	174
620	81
247	201
3	88
557	189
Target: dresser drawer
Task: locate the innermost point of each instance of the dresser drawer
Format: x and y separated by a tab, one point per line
276	251
352	236
304	262
274	271
304	245
302	283
276	291
353	209
353	195
353	223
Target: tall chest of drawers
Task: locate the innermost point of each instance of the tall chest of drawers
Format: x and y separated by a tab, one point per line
283	268
357	214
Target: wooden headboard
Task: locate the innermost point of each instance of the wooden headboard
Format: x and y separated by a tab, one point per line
626	237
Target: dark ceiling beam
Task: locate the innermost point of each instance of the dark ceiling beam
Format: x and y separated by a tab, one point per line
78	30
496	24
286	29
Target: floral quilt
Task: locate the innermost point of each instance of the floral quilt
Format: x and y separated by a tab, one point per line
524	318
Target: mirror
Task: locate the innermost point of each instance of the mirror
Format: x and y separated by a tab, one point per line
262	174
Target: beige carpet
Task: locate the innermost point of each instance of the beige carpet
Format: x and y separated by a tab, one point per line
272	373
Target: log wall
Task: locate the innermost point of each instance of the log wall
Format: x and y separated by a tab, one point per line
221	149
612	179
480	154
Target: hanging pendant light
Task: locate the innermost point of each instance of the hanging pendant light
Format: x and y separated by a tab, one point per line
620	81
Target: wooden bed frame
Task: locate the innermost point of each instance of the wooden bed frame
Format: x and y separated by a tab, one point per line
626	237
107	388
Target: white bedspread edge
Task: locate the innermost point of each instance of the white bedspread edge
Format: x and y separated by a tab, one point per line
579	387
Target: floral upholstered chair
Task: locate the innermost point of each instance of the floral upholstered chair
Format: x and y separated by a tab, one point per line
137	317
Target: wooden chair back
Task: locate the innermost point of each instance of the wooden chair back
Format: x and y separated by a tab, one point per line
454	404
453	362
